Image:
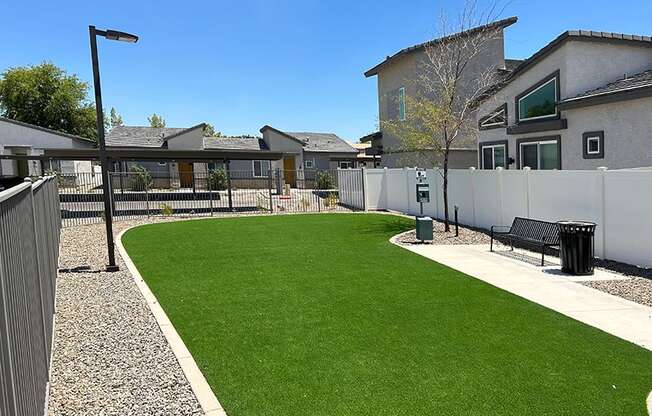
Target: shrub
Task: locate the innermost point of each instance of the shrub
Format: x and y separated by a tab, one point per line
140	179
325	181
166	210
217	180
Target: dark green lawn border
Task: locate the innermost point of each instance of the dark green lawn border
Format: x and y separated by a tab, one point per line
322	315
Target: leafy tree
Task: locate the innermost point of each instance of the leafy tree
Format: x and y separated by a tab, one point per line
140	178
439	109
209	131
217	180
45	95
115	119
156	121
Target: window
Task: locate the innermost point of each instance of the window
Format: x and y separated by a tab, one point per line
540	101
401	104
162	163
539	154
215	166
261	168
494	156
593	145
345	164
310	163
497	118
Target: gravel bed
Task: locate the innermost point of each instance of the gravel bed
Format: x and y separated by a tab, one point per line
110	357
637	289
466	235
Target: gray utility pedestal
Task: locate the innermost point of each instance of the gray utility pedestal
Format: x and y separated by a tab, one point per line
424	228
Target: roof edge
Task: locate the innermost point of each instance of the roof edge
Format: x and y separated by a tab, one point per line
282	133
606	97
47	130
179	133
497	24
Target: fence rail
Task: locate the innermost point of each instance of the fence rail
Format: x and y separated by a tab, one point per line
618	201
142	193
29	248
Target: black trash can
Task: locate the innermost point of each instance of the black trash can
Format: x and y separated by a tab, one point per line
576	247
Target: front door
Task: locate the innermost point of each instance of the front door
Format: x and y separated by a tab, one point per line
185	174
289	171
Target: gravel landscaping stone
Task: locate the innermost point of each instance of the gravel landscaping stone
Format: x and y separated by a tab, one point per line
466	236
636	289
110	357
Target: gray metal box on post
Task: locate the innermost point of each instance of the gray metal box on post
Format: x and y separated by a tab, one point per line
424	229
423	224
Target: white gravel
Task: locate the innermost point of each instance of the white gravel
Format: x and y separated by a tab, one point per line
110	357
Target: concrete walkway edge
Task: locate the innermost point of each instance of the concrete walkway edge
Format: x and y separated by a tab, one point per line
612	314
200	387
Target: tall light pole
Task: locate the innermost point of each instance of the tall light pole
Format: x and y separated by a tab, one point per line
104	160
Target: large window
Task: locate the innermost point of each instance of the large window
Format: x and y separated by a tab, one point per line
345	164
542	154
261	168
401	104
494	156
540	101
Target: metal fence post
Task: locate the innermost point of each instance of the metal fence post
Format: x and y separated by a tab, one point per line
269	188
228	183
147	198
210	192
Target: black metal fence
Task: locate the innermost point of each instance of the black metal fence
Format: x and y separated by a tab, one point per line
29	249
217	192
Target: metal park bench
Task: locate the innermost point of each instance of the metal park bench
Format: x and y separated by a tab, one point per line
533	232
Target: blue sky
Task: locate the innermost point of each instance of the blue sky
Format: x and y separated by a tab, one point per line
296	65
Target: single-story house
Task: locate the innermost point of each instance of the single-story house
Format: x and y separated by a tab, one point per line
581	102
24	139
364	159
304	154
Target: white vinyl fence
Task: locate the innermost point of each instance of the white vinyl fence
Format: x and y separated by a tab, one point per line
619	201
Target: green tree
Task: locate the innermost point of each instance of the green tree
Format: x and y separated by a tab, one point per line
156	121
115	119
209	131
45	95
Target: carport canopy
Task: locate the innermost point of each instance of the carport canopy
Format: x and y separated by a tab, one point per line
150	154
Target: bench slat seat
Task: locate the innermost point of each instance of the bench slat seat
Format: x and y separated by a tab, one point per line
535	232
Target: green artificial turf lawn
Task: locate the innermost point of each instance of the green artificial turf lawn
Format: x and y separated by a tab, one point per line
321	315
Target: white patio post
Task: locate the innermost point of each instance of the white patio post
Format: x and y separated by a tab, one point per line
526	172
501	199
472	179
603	209
385	186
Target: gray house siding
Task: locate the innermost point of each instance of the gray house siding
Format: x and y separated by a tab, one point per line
404	73
583	65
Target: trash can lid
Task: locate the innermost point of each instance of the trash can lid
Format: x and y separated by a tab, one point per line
579	223
424	219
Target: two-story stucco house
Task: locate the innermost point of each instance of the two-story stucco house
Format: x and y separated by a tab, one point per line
581	102
398	75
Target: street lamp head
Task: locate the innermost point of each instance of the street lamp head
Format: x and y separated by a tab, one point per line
121	36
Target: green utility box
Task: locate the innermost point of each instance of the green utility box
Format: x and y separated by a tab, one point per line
424	229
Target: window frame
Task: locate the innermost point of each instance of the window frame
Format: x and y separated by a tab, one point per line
401	104
586	137
498	110
537	140
493	145
339	164
538	85
312	163
253	168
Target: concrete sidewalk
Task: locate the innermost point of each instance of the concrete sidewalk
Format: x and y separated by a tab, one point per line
548	287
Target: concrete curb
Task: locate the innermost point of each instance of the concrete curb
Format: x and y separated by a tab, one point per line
200	387
649	404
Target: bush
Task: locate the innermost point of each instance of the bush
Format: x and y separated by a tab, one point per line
325	181
140	179
166	210
217	180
